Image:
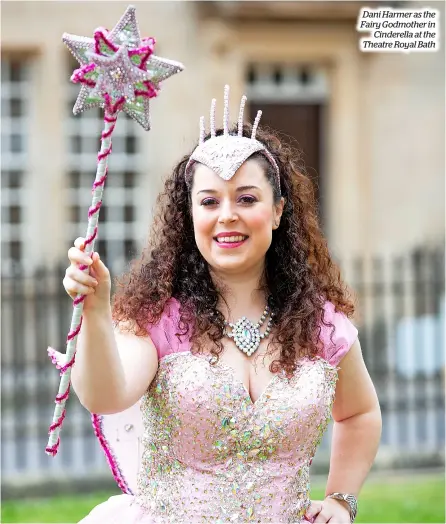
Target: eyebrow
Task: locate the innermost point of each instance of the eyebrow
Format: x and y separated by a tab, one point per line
241	188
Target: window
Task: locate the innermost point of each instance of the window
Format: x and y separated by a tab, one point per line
15	84
280	83
116	242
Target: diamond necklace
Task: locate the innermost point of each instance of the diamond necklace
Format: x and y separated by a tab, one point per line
246	335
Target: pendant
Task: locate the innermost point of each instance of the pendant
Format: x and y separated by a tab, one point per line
246	336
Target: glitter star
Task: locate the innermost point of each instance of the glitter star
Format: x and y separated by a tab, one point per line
118	75
120	66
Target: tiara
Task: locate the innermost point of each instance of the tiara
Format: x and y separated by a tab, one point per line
225	153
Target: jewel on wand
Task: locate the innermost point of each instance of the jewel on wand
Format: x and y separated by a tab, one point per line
118	72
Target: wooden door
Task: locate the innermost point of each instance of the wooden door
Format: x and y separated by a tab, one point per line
299	125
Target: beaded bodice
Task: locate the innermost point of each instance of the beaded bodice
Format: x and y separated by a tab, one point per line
211	454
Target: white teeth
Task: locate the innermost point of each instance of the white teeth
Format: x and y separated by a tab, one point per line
231	239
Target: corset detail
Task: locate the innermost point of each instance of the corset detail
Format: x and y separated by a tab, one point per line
212	455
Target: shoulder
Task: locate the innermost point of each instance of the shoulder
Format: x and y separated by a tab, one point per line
163	333
337	334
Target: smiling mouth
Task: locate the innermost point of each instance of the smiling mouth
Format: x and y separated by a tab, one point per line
231	240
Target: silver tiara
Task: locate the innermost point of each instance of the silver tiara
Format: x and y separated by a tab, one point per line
225	153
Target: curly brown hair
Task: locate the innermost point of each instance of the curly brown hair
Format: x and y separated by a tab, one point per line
300	275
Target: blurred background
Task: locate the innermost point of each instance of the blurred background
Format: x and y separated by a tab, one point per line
371	128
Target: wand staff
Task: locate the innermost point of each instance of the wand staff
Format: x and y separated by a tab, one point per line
118	73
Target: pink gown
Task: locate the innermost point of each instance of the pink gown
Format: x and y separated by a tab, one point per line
197	449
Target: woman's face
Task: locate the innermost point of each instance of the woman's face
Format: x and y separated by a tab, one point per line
234	219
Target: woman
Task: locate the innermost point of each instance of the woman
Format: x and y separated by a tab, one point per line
233	331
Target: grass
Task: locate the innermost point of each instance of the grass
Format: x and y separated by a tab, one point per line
61	509
411	499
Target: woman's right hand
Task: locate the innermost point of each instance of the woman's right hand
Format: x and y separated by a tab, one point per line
95	284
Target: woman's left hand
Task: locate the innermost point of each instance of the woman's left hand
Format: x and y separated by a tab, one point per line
328	510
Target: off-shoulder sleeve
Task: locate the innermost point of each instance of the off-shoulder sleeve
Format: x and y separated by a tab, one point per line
345	333
163	333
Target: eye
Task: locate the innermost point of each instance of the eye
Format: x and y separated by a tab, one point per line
248	199
208	202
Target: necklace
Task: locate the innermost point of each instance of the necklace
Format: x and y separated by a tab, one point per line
247	335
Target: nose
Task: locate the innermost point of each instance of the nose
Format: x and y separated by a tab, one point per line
226	213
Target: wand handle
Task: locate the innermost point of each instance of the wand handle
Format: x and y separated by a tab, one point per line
78	303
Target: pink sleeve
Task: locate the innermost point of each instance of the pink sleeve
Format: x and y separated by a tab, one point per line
345	333
163	333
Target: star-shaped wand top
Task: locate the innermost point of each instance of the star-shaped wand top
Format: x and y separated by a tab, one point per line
118	70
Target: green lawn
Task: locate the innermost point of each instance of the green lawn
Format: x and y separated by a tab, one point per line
414	499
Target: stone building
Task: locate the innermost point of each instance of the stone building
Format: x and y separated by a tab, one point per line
371	125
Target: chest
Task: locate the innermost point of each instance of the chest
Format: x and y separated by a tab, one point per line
253	371
207	406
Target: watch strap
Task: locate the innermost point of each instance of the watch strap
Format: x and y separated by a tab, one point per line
351	501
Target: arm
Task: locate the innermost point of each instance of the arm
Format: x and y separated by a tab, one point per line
357	426
112	369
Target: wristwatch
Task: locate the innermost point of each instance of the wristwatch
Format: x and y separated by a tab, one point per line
351	501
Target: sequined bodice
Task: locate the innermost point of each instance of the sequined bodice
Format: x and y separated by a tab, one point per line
210	454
